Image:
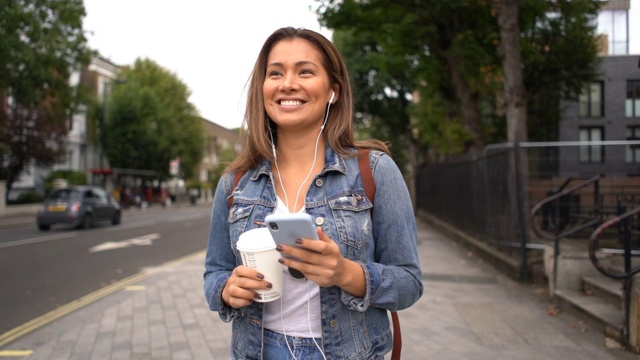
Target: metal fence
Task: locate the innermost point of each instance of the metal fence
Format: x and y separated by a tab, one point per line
491	197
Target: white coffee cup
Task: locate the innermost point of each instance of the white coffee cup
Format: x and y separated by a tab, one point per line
258	251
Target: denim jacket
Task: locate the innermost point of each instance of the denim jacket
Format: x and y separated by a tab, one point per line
383	242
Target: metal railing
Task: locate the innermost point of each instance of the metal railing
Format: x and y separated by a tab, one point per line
484	196
552	204
628	272
576	196
551	209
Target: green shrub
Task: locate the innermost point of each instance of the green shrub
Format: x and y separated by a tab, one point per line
72	177
28	197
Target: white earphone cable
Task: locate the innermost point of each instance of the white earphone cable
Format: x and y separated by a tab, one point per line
295	205
309	319
315	156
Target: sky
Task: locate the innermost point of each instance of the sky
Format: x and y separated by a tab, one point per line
211	45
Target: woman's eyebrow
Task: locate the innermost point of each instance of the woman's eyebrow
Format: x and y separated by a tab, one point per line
298	64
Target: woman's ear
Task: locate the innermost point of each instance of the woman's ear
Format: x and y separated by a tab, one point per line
334	95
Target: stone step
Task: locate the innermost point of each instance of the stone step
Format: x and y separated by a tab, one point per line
601	311
606	288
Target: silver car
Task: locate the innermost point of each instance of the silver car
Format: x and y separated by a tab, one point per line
79	206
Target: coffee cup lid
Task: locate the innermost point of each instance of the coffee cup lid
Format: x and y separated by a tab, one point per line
256	240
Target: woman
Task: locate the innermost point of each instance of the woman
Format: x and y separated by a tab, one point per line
299	154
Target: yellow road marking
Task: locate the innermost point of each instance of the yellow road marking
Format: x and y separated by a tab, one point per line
15	353
136	288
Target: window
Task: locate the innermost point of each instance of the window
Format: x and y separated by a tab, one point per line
100	195
632	105
591	153
591	100
633	151
613	23
68	161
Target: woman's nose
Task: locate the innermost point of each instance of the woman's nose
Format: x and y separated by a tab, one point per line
288	83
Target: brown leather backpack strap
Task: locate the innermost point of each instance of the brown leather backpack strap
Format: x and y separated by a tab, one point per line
366	174
397	337
370	190
236	180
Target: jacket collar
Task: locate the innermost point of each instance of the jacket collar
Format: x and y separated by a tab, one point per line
332	162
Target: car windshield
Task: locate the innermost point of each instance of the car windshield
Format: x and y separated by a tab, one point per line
64	195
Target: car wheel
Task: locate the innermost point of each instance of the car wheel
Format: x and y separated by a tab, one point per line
115	220
87	221
44	227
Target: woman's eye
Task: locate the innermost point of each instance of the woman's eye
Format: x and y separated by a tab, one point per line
306	72
274	73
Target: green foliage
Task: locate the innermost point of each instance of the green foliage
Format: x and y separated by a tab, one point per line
437	123
150	122
560	56
406	50
447	54
41	42
28	197
381	87
72	177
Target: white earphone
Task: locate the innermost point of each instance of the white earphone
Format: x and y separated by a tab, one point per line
333	94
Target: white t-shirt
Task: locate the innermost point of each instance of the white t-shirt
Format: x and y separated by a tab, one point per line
300	302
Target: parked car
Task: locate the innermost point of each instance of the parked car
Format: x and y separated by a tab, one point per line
79	206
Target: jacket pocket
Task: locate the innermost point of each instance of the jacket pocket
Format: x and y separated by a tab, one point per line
238	218
352	218
239	211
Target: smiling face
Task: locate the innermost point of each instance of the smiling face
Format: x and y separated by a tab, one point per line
296	88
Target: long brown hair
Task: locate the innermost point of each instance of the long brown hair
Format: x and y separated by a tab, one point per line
255	136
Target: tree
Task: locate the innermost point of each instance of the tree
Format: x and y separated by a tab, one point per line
452	53
41	42
515	97
149	122
440	48
560	56
383	90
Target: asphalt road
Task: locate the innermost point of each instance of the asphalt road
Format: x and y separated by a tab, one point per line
41	271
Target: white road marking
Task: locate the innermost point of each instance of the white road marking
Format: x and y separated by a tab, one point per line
131	226
139	241
38	239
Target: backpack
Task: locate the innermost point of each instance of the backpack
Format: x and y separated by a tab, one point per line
370	191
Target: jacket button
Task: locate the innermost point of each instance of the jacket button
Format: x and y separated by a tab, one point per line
333	323
319	182
319	221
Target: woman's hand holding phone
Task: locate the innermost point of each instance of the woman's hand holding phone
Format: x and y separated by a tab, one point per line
313	254
286	229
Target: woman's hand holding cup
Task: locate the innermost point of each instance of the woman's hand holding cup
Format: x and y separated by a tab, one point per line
242	285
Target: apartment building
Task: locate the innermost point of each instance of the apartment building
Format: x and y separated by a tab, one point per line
607	114
219	139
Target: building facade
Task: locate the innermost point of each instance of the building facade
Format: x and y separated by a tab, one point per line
221	142
600	133
84	153
83	150
608	116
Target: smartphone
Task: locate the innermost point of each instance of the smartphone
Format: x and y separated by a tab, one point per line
286	228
